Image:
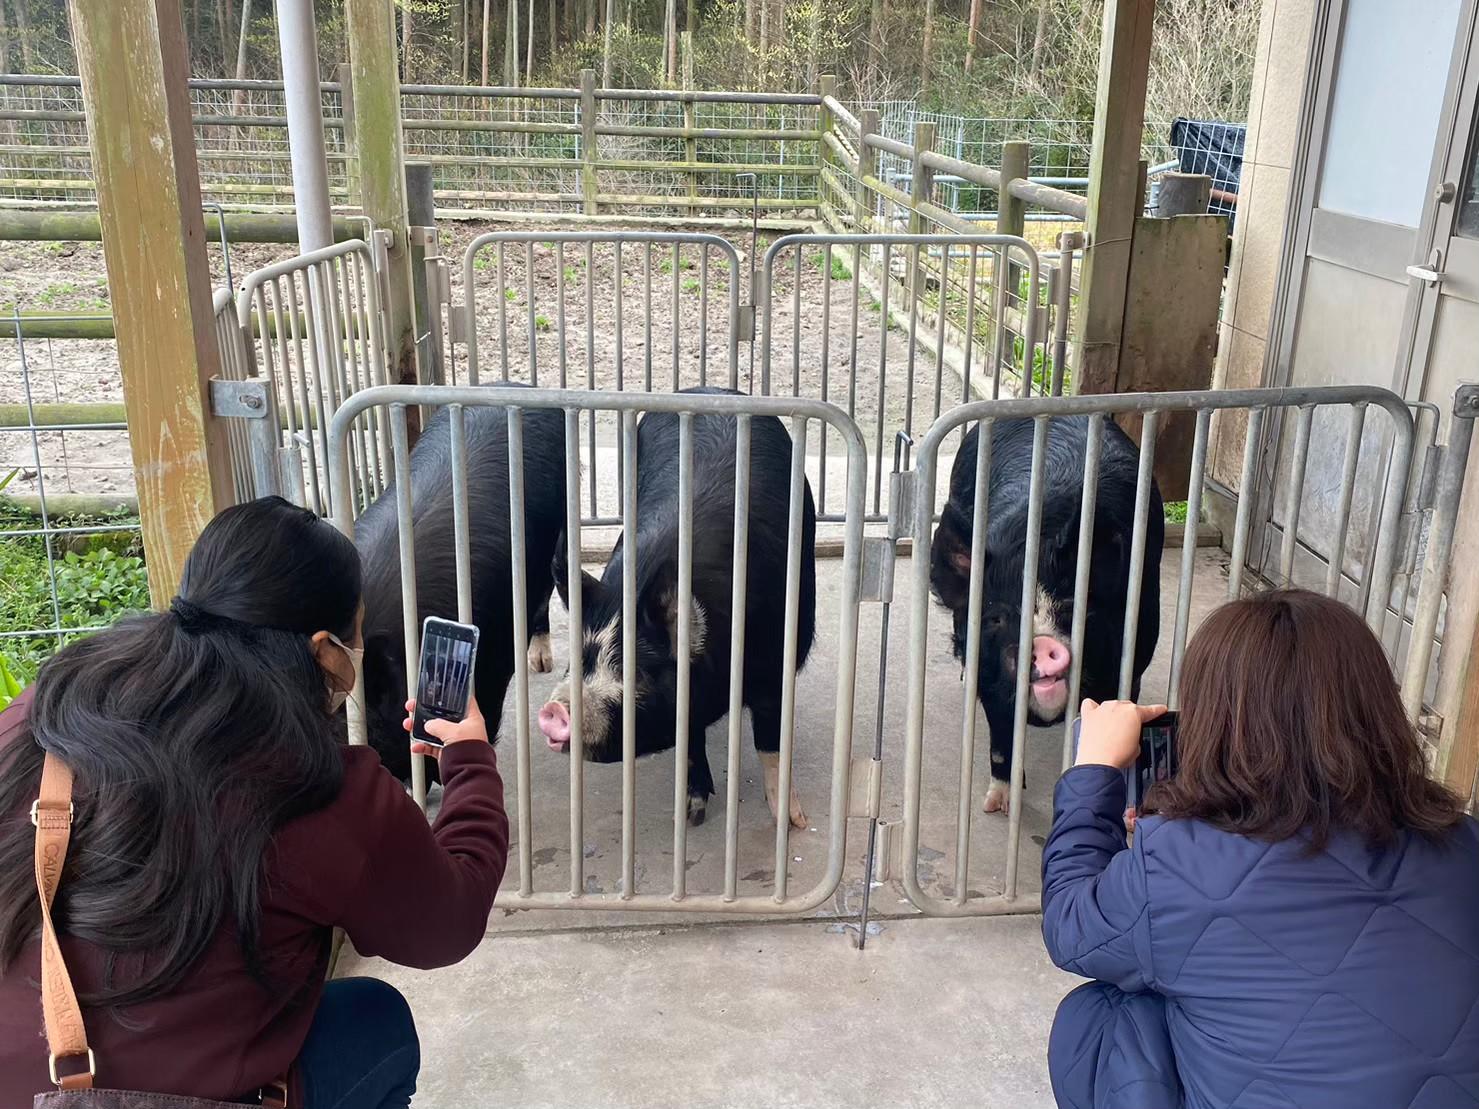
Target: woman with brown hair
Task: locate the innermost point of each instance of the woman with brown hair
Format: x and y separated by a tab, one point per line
1297	922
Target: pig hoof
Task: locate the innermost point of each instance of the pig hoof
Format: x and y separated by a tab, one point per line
998	797
541	658
698	809
798	814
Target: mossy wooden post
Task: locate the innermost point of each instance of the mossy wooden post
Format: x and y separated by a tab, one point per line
344	73
134	65
826	86
1011	211
867	167
588	182
921	186
377	115
1114	182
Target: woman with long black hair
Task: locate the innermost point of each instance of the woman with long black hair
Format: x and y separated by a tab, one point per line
222	829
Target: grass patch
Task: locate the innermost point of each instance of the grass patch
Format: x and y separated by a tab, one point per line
99	578
541	322
840	272
1176	512
690	284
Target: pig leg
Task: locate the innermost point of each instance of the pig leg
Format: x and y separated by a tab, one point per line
767	723
998	794
700	778
541	656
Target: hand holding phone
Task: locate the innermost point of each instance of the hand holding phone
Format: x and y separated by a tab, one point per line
1108	734
471	729
444	678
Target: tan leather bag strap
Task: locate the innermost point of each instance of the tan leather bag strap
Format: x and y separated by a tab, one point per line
65	1034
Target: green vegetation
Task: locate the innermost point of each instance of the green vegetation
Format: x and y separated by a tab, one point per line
541	322
99	578
690	285
840	272
1176	512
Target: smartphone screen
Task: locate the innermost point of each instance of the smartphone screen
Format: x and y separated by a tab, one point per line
444	682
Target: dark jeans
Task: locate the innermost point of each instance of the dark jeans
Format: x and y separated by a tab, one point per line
1111	1050
362	1051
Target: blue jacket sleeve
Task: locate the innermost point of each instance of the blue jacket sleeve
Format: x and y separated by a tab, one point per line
1095	911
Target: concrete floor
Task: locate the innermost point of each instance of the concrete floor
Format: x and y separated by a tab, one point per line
602	1007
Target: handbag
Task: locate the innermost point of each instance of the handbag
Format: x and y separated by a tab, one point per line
66	1036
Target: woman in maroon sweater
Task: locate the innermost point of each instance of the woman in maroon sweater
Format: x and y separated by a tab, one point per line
223	829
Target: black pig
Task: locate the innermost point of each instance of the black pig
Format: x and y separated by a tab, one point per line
377	537
1052	617
713	574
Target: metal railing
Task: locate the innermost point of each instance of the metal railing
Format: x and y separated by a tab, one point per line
743	413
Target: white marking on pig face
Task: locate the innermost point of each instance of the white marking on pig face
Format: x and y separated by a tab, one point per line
1046	706
1045	617
600	685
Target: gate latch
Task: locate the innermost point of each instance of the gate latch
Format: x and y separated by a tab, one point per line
878	569
745	323
457	321
242	399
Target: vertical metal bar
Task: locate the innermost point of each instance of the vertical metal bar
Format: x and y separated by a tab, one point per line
970	327
1188	553
703	315
560	312
1393	503
529	314
1347	494
882	381
980	520
1297	467
470	313
916	292
629	656
940	314
518	556
1088	505
826	359
677	270
1143	484
1247	495
647	316
788	655
1062	318
502	312
576	635
1024	648
590	363
796	327
1001	274
852	355
406	535
740	560
462	536
684	653
763	300
621	455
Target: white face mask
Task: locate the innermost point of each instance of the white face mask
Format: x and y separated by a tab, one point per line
337	697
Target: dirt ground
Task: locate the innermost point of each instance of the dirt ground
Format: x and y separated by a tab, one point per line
827	337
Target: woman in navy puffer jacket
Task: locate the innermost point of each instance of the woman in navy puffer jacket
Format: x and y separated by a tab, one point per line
1297	923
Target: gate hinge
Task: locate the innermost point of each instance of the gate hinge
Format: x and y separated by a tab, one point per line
878	569
1427	489
902	494
242	399
745	323
1466	401
865	796
457	322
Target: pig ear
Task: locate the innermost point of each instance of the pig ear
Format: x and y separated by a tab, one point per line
950	560
560	568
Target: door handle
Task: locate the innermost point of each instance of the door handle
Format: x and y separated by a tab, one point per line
1428	275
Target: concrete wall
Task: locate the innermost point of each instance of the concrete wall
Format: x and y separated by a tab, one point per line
1263	199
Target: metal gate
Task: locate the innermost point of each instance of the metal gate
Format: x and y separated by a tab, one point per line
1393	527
799	415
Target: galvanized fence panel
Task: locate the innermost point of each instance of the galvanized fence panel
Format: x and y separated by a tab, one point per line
319	338
606	310
914	323
1392	453
798	415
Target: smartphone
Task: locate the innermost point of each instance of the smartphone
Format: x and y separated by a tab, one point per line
449	651
1156	761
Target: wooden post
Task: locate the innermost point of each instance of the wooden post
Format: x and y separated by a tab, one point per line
1184	194
867	167
826	86
377	93
421	211
1011	217
589	184
344	73
134	64
1114	181
921	178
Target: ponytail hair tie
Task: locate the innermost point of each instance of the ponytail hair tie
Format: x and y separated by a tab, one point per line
193	618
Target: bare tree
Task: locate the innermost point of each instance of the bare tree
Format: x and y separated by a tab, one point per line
4	41
485	42
670	39
750	24
590	17
606	45
926	55
529	58
554	28
1039	39
405	41
511	45
23	32
223	22
462	4
237	98
970	34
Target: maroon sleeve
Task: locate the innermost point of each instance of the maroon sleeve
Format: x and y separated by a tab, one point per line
424	895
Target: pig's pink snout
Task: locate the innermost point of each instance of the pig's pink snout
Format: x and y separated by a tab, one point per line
554	722
1050	658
